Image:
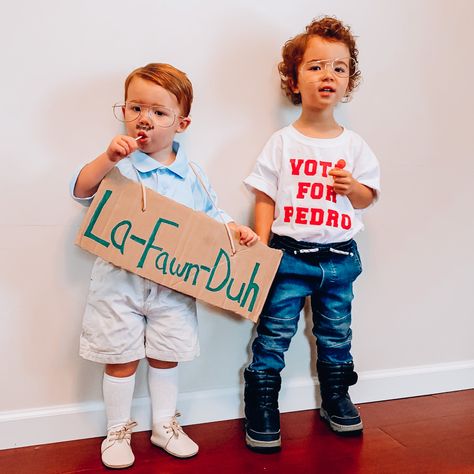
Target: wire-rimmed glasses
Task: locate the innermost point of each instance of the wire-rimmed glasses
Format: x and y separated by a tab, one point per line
159	114
341	67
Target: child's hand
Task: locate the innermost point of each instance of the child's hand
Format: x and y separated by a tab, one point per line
247	235
120	147
344	183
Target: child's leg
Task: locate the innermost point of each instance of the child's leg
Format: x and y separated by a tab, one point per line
277	326
171	337
114	333
167	433
332	328
118	387
163	386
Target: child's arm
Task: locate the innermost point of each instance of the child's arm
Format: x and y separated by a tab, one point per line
246	235
93	173
264	215
361	196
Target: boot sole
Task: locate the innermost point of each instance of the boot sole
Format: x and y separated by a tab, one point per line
336	427
263	446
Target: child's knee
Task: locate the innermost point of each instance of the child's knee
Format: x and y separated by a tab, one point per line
122	370
161	364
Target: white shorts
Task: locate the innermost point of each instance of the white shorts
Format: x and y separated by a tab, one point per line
128	318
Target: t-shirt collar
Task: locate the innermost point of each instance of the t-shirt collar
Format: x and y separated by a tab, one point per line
145	163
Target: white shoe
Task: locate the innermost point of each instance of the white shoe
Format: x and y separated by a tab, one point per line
171	437
116	450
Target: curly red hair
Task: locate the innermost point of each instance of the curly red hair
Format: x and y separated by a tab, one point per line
328	28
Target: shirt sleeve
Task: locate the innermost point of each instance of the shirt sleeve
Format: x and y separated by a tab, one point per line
84	201
265	174
367	168
206	199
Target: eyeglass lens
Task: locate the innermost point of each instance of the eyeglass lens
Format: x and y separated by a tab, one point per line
341	67
131	111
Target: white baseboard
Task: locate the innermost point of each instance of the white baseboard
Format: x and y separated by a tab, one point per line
87	420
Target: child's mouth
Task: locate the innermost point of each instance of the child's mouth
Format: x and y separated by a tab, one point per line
327	90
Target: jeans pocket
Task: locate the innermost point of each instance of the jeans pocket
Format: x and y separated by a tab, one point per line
356	257
346	261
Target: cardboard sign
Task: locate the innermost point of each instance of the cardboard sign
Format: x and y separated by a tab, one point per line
177	247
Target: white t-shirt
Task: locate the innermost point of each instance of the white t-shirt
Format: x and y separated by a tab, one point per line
293	170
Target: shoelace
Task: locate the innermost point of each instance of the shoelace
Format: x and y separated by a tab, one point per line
174	426
125	431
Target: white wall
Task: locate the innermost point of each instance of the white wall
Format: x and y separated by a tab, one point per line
63	66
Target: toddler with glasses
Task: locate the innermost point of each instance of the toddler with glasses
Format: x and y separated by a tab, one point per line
312	181
127	317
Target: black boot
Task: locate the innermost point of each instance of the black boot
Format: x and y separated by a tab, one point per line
262	425
336	407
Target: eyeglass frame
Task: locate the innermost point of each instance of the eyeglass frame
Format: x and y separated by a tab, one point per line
149	107
331	62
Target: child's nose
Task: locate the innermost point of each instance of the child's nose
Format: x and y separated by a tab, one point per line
145	117
328	72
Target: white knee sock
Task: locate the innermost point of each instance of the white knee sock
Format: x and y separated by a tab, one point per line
163	386
118	395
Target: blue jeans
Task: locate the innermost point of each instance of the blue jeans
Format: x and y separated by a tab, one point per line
325	272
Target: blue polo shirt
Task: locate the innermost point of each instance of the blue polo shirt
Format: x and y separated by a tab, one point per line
176	181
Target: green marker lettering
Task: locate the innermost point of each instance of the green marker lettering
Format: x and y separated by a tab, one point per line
151	240
178	268
162	267
219	287
251	287
95	217
121	245
192	266
234	298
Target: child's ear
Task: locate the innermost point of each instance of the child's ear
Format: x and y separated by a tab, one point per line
347	96
183	124
293	87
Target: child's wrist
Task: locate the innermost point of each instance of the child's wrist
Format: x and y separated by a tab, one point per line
110	157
